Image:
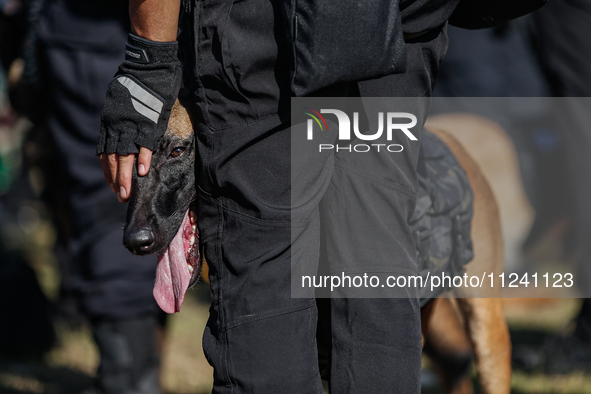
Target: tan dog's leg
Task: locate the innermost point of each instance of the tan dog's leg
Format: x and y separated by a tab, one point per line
491	343
447	346
484	318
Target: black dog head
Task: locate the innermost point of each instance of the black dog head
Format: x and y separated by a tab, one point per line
159	200
159	218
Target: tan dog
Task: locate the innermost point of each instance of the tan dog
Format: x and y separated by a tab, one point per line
480	329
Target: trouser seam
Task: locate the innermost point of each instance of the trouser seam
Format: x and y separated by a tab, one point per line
268	314
220	300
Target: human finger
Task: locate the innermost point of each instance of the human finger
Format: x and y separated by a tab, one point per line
103	157
143	161
124	175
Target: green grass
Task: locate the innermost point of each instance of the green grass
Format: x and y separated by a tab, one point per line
544	317
574	383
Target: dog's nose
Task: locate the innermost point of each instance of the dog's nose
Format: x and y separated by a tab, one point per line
140	241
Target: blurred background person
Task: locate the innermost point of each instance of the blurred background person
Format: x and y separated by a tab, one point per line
71	53
26	323
561	34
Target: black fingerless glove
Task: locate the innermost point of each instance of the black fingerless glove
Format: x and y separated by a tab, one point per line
140	97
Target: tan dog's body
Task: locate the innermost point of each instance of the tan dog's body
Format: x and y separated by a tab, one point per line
480	329
492	149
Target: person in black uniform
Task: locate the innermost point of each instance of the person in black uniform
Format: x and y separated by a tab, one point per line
237	58
561	41
77	57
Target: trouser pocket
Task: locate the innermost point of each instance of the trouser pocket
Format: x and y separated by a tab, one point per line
273	351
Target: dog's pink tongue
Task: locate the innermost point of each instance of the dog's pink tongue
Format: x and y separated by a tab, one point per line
172	275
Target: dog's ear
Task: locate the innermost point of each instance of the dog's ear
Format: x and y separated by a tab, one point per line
180	123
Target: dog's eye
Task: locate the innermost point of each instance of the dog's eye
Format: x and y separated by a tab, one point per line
177	151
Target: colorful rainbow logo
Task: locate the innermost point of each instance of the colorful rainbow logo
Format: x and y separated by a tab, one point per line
316	119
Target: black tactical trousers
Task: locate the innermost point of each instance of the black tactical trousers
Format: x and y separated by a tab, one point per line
258	338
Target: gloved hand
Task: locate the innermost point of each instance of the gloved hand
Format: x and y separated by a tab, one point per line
140	97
